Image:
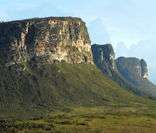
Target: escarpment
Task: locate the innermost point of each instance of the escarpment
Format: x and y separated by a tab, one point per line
104	58
47	64
48	40
41	64
132	69
131	73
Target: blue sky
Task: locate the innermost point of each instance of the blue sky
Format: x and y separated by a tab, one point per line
124	23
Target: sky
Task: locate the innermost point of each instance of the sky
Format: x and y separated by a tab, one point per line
129	25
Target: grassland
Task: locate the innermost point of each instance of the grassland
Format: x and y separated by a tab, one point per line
66	98
103	119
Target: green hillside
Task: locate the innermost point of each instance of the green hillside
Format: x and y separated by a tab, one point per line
69	98
57	86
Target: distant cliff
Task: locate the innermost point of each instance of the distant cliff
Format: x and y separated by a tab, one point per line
130	73
104	58
53	39
133	69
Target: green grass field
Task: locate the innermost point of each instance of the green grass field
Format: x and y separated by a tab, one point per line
102	119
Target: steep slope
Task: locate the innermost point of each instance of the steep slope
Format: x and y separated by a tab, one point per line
104	58
46	65
57	87
130	73
133	69
136	71
45	40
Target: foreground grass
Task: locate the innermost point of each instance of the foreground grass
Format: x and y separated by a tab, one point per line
106	119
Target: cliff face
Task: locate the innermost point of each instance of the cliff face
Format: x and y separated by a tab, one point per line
43	64
131	73
132	69
135	71
104	58
144	69
45	40
33	46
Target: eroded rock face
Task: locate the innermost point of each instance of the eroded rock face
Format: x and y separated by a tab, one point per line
104	58
45	40
130	73
144	69
133	69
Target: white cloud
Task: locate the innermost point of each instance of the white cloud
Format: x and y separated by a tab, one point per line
3	16
98	32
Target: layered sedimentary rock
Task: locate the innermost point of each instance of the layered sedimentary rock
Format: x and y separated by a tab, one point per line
48	40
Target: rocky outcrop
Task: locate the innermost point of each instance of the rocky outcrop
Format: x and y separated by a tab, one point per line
48	40
144	68
104	58
31	81
132	69
135	71
130	73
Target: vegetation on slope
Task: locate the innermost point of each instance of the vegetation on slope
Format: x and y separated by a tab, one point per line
43	88
68	98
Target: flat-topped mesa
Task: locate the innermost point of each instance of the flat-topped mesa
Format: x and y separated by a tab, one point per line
133	69
53	39
104	58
